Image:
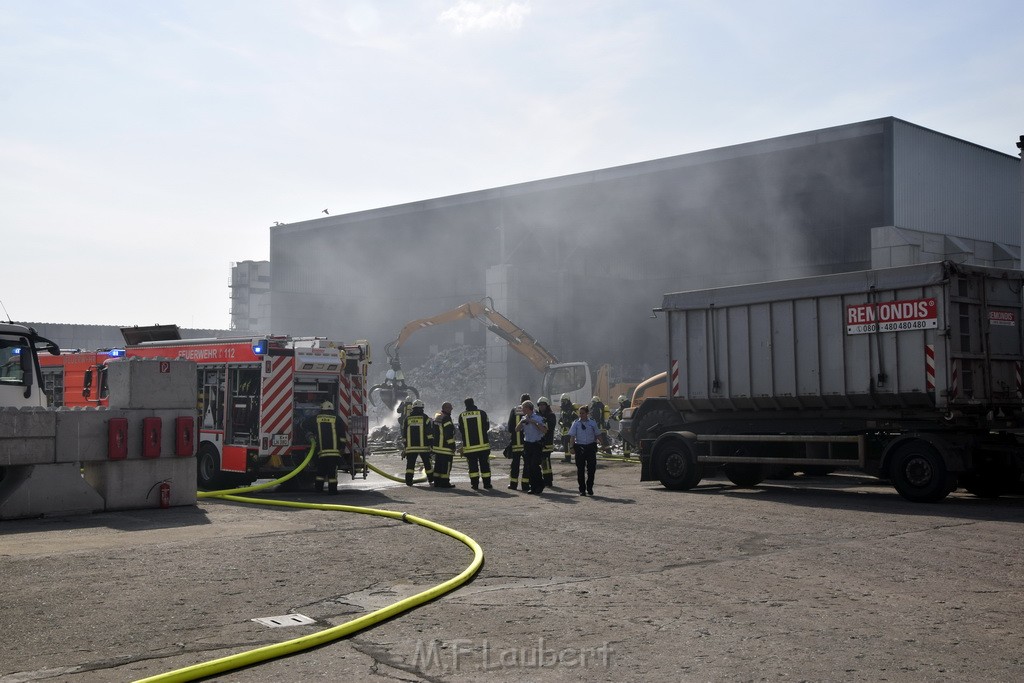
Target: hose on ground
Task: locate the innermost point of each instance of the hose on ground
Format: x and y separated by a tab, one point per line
267	652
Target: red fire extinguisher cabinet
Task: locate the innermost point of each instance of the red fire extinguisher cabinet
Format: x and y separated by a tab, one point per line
151	435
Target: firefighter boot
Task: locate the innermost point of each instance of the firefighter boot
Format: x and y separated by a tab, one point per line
408	480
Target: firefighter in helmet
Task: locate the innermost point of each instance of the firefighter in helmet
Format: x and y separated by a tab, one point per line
515	449
419	439
599	414
544	410
330	438
444	447
617	415
476	446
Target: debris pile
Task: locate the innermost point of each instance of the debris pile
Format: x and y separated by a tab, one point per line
451	375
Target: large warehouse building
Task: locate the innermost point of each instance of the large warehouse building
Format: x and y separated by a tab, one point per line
580	261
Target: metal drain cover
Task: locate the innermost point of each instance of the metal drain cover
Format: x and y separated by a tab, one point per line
285	620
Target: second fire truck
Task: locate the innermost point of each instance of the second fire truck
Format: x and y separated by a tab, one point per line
253	397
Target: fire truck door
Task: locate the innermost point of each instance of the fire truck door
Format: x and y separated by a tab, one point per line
211	397
245	405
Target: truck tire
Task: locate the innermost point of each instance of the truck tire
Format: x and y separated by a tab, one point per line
745	475
919	473
675	465
208	474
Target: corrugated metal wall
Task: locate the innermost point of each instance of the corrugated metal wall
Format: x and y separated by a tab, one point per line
949	186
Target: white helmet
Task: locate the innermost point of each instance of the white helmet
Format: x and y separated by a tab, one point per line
622	398
326	405
596	399
565	397
417	403
544	400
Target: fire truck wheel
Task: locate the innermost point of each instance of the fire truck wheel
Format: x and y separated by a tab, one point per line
919	473
675	464
208	475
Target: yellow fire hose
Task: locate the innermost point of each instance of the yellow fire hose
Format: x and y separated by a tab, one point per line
267	652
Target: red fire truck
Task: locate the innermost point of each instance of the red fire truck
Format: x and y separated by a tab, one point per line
254	396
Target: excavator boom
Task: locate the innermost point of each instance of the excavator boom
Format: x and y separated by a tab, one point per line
483	310
394	388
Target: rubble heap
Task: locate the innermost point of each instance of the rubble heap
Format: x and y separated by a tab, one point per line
451	375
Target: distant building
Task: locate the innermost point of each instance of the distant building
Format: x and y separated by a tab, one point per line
250	296
579	261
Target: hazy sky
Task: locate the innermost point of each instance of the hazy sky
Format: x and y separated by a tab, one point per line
147	145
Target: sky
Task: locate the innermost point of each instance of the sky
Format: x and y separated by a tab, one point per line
147	146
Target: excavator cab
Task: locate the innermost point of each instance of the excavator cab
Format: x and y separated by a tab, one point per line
568	378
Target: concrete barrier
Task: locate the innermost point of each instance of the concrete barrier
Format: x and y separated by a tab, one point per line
55	461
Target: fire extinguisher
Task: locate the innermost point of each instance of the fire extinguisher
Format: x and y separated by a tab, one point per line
165	493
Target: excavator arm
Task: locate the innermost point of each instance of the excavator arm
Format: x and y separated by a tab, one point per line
483	310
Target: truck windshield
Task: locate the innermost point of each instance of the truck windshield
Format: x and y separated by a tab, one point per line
10	360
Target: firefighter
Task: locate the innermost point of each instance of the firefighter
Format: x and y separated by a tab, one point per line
566	416
419	437
515	416
403	410
328	434
443	447
544	410
599	414
476	444
617	415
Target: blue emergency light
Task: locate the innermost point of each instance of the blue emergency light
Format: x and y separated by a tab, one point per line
116	353
16	351
260	347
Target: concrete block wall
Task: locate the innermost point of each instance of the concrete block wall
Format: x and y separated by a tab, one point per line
27	436
55	461
143	383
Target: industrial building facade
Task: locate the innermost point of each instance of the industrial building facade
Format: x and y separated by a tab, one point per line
580	261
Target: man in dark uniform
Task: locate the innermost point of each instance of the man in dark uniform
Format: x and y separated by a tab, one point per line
544	410
419	438
328	433
476	444
443	447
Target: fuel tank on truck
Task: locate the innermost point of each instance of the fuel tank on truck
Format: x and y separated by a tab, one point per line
934	337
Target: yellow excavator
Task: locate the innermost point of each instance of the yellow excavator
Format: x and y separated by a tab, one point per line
571	378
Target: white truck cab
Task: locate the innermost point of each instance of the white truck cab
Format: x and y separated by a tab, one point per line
20	376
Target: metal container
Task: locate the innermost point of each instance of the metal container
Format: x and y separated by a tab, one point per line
921	338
